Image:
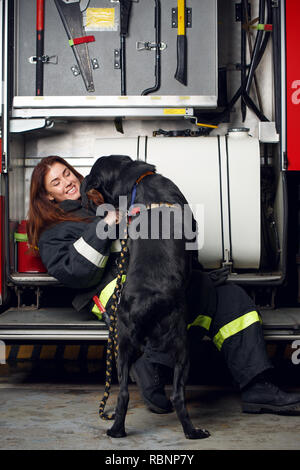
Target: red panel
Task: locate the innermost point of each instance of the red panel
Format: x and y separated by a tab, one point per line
2	256
293	83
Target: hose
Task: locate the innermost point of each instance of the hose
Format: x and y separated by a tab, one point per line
257	45
258	52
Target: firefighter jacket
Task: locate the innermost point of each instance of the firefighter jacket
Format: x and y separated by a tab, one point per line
73	253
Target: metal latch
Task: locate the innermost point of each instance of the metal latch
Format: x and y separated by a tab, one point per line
149	46
46	59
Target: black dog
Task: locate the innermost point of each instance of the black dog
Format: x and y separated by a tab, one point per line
153	301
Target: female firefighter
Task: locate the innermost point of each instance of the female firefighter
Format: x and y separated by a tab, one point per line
65	233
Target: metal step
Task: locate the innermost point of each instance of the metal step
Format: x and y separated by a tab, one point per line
67	324
281	324
50	324
32	279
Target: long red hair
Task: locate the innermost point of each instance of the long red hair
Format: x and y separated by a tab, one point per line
42	212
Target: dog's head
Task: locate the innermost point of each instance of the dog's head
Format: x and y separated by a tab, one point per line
114	176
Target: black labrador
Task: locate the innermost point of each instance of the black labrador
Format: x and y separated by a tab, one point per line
153	302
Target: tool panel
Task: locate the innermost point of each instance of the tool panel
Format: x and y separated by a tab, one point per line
84	43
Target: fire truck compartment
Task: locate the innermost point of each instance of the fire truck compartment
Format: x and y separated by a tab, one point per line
233	173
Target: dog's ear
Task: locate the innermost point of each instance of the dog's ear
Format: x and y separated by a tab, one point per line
129	174
137	168
115	175
105	173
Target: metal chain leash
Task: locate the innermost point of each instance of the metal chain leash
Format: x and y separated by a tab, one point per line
112	343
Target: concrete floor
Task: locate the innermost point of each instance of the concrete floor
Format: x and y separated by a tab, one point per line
36	414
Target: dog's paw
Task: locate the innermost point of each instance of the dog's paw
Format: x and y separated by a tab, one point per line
116	433
198	434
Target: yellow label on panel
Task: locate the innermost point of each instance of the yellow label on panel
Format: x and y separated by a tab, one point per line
100	18
175	111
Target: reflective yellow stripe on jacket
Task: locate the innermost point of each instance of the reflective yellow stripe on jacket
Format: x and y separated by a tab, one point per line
230	329
106	293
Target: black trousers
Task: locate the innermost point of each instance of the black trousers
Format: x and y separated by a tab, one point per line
230	318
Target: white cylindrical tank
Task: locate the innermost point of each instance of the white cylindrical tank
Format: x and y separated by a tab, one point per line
245	200
193	165
220	178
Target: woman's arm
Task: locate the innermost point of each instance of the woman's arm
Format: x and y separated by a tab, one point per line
73	253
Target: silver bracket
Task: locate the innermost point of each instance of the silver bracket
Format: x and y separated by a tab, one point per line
149	46
227	260
75	70
46	59
95	64
117	59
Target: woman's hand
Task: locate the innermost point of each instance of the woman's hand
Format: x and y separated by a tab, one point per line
113	217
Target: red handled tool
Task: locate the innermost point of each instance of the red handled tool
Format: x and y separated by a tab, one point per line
40	19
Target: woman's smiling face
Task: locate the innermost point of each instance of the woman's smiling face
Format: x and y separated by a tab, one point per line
61	184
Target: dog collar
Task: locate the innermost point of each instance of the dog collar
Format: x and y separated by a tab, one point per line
133	193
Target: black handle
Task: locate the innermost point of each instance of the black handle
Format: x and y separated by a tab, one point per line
181	71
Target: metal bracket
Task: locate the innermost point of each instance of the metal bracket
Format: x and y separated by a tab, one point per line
76	70
26	125
239	11
227	260
149	46
117	59
195	121
46	59
95	64
188	17
20	290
